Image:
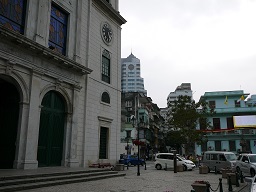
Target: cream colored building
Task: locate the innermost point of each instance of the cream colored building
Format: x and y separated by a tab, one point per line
60	82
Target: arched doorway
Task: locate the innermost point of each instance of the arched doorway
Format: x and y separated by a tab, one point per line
51	130
9	115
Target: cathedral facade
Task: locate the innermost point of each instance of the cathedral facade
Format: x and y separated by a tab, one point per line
60	82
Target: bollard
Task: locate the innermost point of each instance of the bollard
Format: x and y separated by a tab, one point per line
145	165
237	181
215	170
230	189
208	187
175	163
220	184
127	166
241	177
165	167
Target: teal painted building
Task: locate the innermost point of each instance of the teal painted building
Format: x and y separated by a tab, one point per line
223	136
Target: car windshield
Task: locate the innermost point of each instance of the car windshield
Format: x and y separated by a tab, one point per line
230	157
181	157
252	158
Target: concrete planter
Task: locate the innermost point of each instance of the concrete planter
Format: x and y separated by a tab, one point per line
203	170
233	178
224	172
119	167
180	168
198	187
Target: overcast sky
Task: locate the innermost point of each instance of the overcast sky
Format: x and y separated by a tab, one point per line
208	43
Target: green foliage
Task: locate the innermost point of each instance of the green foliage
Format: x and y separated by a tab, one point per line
184	116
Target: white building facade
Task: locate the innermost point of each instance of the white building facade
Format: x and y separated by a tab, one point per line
60	83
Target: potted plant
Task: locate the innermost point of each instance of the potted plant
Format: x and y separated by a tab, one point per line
200	186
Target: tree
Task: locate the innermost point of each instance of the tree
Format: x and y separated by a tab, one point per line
185	114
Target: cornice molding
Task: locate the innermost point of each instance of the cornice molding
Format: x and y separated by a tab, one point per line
107	7
43	51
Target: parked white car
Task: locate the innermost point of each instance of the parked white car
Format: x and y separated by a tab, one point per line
163	160
247	164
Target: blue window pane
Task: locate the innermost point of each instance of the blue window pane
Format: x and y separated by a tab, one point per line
12	14
58	30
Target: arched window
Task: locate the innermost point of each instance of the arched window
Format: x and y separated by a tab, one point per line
105	97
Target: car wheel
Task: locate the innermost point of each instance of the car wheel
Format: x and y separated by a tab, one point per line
158	167
252	172
209	170
185	168
129	164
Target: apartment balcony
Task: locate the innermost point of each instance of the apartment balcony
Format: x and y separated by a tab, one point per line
235	133
235	110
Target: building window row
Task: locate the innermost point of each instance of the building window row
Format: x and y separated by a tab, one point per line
216	123
212	104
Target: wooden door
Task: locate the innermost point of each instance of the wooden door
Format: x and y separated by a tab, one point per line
51	130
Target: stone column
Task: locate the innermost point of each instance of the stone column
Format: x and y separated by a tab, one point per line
72	160
30	126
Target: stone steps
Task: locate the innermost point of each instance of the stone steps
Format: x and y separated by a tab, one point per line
31	181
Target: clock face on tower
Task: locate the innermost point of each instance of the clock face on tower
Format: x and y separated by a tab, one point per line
131	67
106	33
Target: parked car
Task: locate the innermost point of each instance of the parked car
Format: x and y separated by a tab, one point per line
218	160
131	160
163	160
247	164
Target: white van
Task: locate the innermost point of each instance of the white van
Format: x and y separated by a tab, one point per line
163	160
218	160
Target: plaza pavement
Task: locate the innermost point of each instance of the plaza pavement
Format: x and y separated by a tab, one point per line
150	180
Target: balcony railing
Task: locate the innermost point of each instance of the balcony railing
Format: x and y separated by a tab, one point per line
235	110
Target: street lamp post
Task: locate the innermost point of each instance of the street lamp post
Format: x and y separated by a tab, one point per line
141	124
138	166
127	146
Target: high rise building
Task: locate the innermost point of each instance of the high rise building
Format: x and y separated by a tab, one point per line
131	75
183	89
